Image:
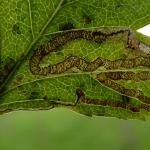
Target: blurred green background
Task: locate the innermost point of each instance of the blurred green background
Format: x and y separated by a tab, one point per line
62	129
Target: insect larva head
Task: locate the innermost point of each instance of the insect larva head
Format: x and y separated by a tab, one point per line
79	92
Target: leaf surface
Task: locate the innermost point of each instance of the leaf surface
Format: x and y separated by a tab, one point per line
48	31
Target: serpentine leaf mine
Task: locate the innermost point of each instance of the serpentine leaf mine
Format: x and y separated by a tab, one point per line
107	78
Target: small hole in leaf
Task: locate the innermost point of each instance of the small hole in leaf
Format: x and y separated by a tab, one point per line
145	30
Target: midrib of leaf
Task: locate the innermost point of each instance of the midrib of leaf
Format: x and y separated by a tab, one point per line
27	52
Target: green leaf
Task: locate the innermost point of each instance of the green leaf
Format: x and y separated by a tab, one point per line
81	54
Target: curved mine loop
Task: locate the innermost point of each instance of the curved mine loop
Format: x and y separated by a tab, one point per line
119	88
96	35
